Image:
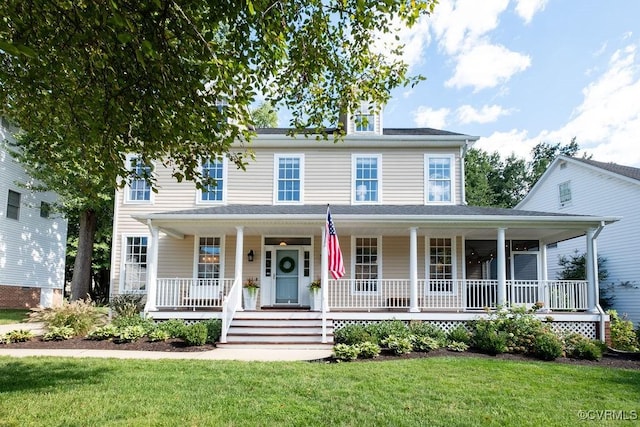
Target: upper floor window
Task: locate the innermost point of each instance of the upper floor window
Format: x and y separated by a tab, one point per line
367	267
564	192
214	169
209	258
139	187
289	178
439	179
365	119
135	264
366	178
13	205
45	210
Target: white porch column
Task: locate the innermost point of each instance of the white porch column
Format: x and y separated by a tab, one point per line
502	268
324	268
152	268
239	259
413	270
592	278
543	288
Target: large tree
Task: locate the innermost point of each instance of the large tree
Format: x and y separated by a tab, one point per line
90	81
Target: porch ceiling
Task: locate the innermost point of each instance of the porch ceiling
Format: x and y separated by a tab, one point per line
301	220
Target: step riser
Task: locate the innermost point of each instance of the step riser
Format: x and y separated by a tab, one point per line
273	331
276	324
274	340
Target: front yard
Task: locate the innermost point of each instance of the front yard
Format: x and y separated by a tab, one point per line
434	391
10	315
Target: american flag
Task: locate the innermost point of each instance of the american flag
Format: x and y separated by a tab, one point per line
336	264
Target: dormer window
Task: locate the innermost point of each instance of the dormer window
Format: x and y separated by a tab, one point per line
364	119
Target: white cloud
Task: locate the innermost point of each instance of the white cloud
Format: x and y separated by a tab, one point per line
486	65
506	143
487	114
527	8
428	117
415	41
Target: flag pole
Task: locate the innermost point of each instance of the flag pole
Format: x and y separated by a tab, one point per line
324	279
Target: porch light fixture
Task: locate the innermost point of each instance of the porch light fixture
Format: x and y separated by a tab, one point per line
283	243
250	256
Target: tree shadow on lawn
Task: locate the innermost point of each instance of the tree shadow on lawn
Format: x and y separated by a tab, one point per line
17	375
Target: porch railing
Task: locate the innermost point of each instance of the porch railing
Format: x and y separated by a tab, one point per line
229	306
191	293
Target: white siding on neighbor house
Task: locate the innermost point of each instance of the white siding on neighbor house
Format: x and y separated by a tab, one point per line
32	248
598	192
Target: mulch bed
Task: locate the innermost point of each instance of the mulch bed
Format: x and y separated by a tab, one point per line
610	359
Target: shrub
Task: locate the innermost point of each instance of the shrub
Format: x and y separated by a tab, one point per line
214	330
105	332
130	333
122	322
588	349
368	350
18	335
352	334
127	305
60	333
81	316
345	351
195	334
424	343
158	335
623	337
457	346
398	344
459	334
380	331
174	327
487	338
424	329
548	346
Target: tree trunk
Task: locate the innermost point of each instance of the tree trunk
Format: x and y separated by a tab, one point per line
81	280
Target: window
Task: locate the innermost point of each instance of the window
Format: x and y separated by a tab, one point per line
45	210
439	179
209	258
366	173
440	265
289	177
13	205
564	190
139	188
364	118
366	264
214	169
135	265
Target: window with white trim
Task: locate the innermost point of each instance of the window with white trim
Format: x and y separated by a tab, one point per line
289	178
139	187
13	204
209	258
367	266
135	265
439	178
214	169
366	178
564	192
364	118
440	264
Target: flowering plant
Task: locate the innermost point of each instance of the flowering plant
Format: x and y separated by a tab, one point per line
251	283
315	285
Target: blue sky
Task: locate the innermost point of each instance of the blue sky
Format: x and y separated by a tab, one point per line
521	72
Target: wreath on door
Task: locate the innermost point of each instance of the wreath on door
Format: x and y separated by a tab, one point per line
287	264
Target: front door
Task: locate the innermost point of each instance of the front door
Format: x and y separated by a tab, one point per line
287	276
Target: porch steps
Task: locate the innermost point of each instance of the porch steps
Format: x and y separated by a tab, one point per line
278	327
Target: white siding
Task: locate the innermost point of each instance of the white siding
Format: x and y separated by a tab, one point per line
596	192
32	249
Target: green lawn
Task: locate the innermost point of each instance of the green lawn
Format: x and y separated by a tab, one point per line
9	315
435	391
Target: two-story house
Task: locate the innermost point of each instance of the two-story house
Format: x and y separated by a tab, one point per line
412	248
33	239
581	186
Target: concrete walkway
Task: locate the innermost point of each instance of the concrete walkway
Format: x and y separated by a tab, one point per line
259	353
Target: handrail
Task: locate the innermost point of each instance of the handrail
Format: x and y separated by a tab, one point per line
230	305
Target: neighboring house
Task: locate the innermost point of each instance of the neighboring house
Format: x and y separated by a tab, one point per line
412	248
579	186
33	239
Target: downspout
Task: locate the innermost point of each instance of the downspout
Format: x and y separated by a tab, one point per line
603	315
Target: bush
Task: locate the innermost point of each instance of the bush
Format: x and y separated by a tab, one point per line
18	335
105	332
424	343
158	335
127	305
588	350
623	337
424	329
174	327
195	334
352	334
457	346
368	350
548	346
380	331
122	322
130	333
214	330
487	338
398	344
58	334
81	316
459	334
345	351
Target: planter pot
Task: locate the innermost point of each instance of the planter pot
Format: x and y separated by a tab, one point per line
249	298
316	300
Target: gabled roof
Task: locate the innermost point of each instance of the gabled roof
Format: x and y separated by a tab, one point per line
627	171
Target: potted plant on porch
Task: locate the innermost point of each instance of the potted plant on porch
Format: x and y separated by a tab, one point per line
315	292
250	293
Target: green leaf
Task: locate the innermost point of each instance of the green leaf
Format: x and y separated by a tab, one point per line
124	38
